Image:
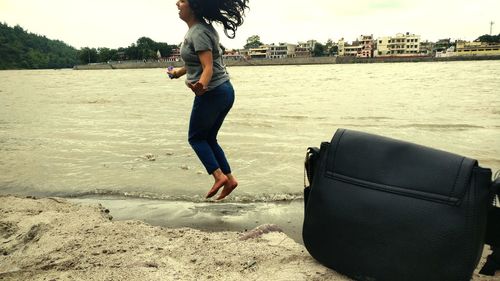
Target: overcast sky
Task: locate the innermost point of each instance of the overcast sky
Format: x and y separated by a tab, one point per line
119	23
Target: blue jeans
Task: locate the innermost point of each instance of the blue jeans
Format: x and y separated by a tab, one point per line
207	116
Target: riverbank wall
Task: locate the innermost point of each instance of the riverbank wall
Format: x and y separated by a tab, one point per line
287	61
347	60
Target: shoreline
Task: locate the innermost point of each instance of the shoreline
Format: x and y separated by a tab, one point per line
207	215
56	239
286	61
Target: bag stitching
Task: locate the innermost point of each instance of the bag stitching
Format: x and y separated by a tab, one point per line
427	196
456	177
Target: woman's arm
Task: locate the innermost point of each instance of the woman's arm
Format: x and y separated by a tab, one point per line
206	60
177	72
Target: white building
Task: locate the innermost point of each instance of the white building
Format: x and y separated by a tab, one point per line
277	51
400	45
382	48
347	50
280	51
291	50
450	52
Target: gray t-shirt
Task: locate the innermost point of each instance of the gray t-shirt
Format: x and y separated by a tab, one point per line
203	37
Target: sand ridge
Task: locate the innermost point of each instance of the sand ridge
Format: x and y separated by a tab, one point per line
52	239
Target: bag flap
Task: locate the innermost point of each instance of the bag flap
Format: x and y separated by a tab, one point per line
399	167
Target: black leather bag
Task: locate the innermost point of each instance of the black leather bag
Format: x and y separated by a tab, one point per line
384	209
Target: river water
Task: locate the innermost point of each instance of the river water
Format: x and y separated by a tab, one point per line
94	134
76	133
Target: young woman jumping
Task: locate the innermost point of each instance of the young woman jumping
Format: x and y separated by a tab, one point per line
206	76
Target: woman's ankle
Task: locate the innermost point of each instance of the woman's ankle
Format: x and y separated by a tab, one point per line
220	180
218	175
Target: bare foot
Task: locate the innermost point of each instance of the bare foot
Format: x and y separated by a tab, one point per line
220	181
229	186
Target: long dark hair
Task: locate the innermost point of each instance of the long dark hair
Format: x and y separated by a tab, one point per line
227	12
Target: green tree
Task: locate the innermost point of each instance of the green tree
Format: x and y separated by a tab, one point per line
132	52
329	45
120	54
145	42
105	54
331	48
145	48
334	50
165	49
319	50
88	55
253	42
20	49
489	38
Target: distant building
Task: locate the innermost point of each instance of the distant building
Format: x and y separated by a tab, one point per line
272	51
366	42
244	52
477	49
233	55
277	51
427	48
348	50
258	53
291	50
305	49
450	52
400	45
382	49
442	45
175	55
362	47
302	52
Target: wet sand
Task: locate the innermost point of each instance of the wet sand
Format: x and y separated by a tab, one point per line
55	239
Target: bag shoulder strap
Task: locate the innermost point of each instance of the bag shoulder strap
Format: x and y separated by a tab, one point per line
493	228
312	155
310	163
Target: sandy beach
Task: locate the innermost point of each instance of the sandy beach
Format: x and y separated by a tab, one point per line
54	239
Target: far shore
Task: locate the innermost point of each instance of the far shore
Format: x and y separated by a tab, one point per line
286	61
55	239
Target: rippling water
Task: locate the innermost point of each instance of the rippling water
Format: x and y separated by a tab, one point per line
75	133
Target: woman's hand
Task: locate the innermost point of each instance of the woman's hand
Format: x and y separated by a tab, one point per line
175	73
198	88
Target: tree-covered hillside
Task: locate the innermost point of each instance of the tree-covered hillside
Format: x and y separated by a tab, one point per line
20	49
144	49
